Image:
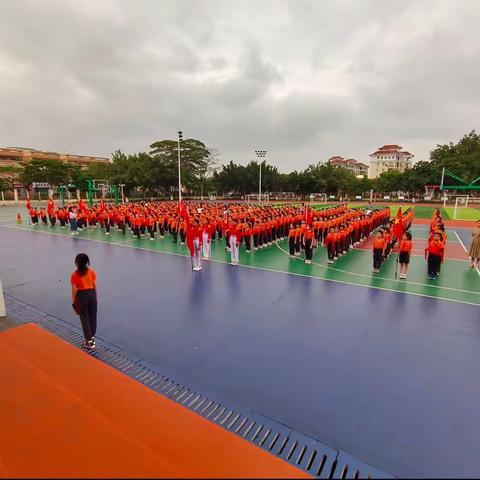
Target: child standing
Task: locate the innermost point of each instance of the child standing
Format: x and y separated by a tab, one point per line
84	298
404	252
434	255
378	251
308	244
329	242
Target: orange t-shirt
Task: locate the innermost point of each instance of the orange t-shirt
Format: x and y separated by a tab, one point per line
84	282
378	243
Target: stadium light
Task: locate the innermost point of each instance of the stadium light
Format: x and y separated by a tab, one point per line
180	137
260	154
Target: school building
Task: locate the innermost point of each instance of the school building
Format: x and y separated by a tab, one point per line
389	157
11	157
358	168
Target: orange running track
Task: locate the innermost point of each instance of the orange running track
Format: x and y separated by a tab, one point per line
65	414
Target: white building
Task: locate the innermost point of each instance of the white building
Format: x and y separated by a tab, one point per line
358	168
389	157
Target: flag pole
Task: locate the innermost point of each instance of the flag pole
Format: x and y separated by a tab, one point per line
179	171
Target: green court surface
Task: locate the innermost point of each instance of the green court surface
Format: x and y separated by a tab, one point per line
457	281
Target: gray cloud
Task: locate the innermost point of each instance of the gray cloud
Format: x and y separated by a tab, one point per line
305	79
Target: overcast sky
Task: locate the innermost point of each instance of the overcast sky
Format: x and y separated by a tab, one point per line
303	79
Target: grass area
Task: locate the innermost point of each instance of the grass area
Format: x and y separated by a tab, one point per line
462	213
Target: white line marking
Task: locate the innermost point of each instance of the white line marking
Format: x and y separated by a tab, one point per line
342	282
398	282
466	251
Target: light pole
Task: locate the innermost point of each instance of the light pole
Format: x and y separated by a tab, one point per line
260	154
180	137
121	185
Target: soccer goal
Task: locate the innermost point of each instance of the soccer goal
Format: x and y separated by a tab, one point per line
461	201
256	198
318	198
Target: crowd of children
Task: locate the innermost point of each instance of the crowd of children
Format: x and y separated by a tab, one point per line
435	250
387	236
254	226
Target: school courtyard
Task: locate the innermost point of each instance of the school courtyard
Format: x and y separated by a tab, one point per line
333	370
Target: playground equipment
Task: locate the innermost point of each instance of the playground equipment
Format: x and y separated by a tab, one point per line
102	186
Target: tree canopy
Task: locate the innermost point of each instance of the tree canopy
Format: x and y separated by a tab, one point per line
156	172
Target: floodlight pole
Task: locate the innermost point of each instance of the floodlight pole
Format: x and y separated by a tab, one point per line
179	172
443	177
260	154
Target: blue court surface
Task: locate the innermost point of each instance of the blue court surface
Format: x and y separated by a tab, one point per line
388	377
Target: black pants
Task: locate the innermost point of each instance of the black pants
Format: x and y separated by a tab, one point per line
183	235
308	249
377	258
248	242
86	303
331	251
434	262
291	245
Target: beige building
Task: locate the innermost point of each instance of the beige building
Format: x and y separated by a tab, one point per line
389	157
358	168
17	157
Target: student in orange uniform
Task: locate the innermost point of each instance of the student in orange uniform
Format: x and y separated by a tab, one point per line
404	251
434	254
150	226
292	239
329	242
378	251
84	298
308	239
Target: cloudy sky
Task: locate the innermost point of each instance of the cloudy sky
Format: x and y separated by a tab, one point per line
303	79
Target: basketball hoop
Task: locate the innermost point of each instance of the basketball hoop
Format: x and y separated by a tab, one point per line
430	190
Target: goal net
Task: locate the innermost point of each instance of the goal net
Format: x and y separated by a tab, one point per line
256	198
318	198
461	201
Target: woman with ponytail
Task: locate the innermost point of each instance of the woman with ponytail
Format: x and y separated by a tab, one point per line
84	298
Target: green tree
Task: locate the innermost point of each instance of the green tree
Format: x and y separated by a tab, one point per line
462	158
54	172
389	182
194	155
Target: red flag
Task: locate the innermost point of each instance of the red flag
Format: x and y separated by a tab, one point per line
29	205
50	207
81	205
398	225
182	210
102	204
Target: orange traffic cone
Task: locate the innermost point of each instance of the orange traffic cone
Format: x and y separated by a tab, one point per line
19	218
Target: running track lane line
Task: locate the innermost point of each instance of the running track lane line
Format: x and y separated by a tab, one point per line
256	268
384	278
466	251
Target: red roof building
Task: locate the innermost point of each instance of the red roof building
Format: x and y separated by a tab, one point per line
358	168
389	157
